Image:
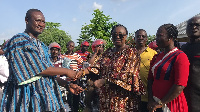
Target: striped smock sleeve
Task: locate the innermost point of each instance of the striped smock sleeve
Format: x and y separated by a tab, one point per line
26	59
79	59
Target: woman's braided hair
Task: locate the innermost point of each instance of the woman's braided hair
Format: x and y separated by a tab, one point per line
171	30
118	26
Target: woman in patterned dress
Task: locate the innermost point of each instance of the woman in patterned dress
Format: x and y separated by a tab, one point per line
120	85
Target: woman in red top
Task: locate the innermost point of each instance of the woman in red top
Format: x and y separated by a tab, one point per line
168	74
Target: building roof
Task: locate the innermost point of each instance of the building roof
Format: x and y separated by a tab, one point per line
182	28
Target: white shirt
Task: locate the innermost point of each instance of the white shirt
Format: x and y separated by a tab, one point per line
4	70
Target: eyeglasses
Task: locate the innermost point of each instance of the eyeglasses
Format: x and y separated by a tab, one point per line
120	35
194	24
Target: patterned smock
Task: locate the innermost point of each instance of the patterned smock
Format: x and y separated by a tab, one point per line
123	87
28	57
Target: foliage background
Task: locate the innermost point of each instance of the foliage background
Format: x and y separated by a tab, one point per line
52	33
99	27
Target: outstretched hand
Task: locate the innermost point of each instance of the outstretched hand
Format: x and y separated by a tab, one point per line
75	89
152	106
78	75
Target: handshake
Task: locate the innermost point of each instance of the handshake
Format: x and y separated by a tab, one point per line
80	74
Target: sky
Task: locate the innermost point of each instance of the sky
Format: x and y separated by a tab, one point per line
73	14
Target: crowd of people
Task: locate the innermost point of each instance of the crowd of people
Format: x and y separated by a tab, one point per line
159	77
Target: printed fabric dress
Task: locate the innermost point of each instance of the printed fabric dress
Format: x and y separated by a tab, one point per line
167	70
123	87
28	57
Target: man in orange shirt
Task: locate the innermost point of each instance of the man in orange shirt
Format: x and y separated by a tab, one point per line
72	60
65	85
74	57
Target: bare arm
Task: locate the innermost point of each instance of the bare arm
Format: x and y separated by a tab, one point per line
62	82
91	60
74	88
174	92
53	71
1	52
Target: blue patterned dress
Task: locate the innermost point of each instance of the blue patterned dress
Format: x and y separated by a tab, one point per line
28	57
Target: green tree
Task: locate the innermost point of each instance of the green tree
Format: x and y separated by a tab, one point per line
130	39
151	38
99	28
51	34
